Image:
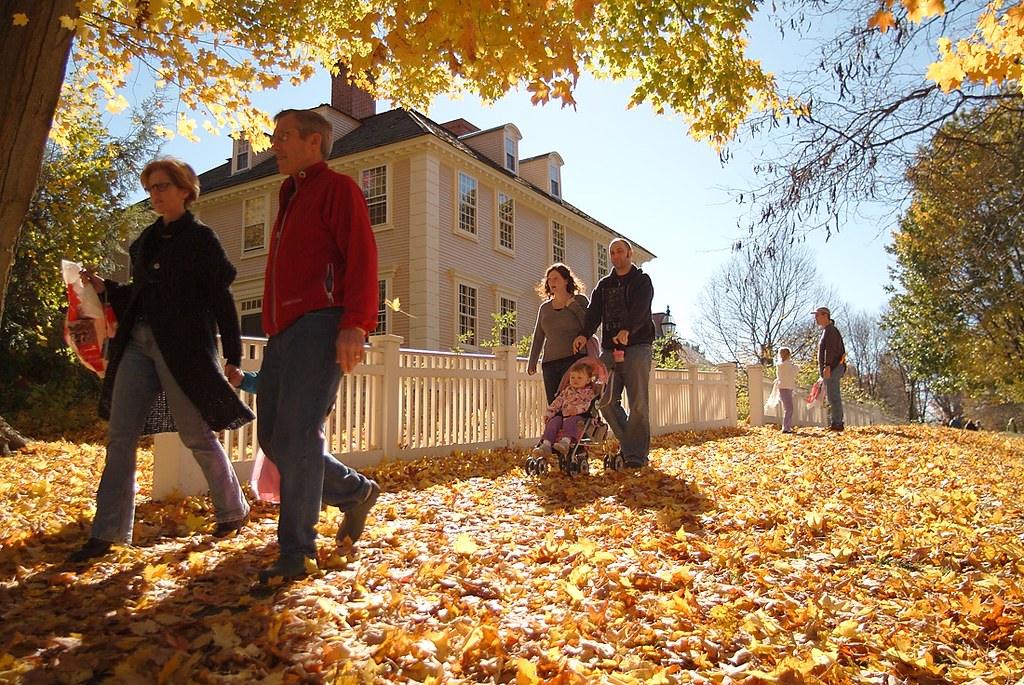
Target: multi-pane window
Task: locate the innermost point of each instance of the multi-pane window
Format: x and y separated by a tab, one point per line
467	314
254	232
508	333
375	189
242	153
467	203
251	317
557	242
556	186
382	308
506	221
602	260
510	154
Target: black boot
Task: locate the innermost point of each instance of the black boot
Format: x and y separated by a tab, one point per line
93	548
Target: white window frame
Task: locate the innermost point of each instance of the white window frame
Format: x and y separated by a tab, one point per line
383	310
262	248
603	264
250	307
511	155
473	318
500	308
467	205
557	242
555	177
505	223
241	147
377	200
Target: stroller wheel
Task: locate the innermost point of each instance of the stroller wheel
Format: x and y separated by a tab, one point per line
614	462
541	466
584	465
529	467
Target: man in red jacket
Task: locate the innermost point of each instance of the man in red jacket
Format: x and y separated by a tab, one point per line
319	301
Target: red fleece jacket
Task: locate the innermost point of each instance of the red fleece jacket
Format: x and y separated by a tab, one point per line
322	252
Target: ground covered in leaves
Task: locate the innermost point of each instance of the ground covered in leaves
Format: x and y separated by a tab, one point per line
881	555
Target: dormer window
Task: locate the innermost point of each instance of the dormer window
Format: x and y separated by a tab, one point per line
556	180
510	154
243	155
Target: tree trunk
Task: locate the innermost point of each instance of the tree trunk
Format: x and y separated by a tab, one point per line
10	439
34	59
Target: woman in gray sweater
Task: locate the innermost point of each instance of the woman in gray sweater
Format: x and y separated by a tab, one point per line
559	321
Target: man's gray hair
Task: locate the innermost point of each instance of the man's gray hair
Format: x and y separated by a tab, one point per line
312	122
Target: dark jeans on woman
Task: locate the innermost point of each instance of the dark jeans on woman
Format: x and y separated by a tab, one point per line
553	372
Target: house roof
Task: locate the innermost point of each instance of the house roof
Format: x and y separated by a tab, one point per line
387	128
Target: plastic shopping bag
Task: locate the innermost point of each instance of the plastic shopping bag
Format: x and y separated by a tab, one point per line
266	480
773	399
89	323
814	397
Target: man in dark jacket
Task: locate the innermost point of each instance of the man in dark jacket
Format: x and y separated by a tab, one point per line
621	304
319	301
831	364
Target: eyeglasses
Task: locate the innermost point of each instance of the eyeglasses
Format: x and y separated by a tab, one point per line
282	136
158	187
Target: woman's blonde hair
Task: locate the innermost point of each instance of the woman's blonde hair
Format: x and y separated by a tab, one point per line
573	284
182	175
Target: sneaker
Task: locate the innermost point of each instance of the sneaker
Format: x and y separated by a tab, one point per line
634	462
836	428
226	528
94	547
541	450
287	567
354	522
563	446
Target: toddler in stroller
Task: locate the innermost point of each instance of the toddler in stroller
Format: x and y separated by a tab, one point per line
573	414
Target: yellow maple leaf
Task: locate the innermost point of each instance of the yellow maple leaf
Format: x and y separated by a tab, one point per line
464	544
20	19
883	20
67	22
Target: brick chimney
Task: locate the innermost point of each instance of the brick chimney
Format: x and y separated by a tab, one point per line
459	127
350	99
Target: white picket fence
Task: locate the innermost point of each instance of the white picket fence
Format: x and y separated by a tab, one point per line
405	404
760	387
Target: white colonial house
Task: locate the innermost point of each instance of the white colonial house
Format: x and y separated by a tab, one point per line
465	228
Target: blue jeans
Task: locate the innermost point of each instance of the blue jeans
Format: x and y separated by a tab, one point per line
298	383
141	375
633	431
835	399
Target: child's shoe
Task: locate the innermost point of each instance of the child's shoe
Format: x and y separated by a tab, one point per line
541	450
563	447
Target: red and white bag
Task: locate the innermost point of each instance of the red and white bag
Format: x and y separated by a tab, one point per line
89	322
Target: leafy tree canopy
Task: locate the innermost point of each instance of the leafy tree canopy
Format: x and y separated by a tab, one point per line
960	256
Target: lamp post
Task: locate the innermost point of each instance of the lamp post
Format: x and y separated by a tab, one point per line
668	325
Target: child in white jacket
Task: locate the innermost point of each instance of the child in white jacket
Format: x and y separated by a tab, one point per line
786	372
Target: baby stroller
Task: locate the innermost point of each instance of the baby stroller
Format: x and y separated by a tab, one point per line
594	430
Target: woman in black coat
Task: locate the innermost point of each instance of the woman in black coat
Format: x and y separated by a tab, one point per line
164	372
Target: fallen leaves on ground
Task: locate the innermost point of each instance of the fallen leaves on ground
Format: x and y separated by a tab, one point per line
880	555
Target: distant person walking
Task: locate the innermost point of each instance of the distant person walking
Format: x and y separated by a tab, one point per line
831	365
786	372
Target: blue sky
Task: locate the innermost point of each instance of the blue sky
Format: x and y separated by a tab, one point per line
640	174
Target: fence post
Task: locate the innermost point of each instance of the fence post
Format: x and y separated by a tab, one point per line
389	347
175	471
729	371
508	429
693	392
755	392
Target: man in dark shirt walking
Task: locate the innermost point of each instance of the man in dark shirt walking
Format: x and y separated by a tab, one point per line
831	364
